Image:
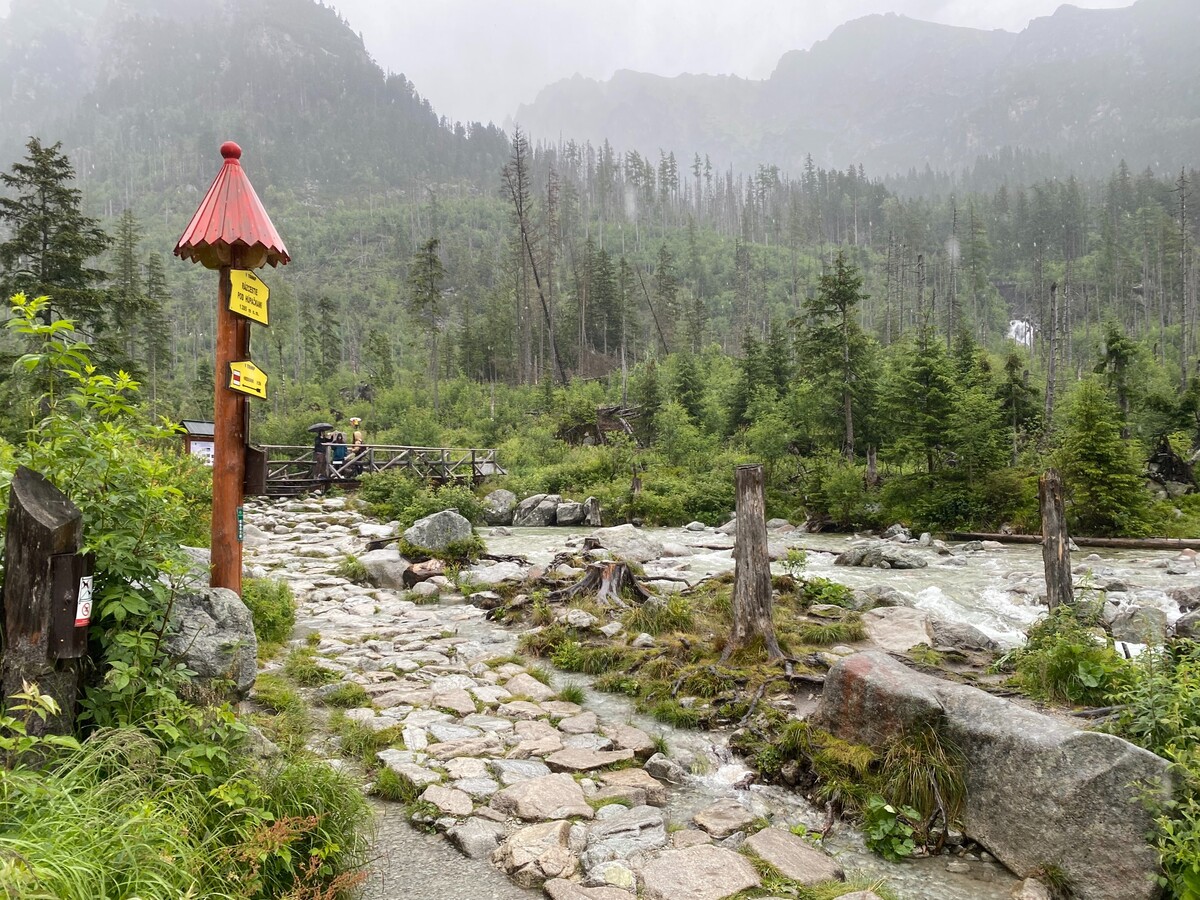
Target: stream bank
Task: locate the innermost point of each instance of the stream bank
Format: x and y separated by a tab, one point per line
426	669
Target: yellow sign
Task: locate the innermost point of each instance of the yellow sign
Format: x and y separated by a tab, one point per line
248	295
247	378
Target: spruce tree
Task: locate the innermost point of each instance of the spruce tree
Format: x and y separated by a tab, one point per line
50	242
1101	472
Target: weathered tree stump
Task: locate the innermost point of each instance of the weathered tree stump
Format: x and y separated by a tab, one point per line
1056	543
608	581
752	601
39	635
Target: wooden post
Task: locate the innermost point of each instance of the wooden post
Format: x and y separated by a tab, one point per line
229	436
1056	543
42	524
752	602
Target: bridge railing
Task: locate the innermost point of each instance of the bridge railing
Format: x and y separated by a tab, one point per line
298	466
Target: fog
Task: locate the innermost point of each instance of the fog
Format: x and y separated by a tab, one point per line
480	59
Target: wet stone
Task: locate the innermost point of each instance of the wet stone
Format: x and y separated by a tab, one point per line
724	818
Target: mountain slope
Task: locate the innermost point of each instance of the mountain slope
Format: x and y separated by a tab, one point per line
146	94
1089	86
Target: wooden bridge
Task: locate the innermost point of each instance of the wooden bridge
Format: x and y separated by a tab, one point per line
284	470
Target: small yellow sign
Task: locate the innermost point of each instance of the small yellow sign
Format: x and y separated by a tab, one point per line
247	378
248	295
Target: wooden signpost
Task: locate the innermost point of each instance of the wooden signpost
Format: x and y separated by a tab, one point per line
232	233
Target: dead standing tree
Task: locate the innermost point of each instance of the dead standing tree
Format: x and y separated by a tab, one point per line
752	602
1056	544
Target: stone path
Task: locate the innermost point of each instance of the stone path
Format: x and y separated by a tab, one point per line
514	777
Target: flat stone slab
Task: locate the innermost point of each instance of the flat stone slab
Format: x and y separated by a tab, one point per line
487	745
794	857
561	889
450	801
627	737
526	685
702	872
456	700
656	791
548	797
514	771
576	759
621	835
724	818
522	709
584	723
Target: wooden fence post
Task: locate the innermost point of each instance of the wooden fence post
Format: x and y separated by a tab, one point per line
1056	543
752	601
41	638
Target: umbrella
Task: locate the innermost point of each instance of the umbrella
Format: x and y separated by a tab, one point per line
320	426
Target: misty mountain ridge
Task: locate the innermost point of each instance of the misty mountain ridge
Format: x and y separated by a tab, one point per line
1089	87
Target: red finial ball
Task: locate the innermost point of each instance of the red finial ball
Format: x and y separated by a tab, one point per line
230	150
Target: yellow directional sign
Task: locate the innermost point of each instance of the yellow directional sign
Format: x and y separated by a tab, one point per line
247	378
248	295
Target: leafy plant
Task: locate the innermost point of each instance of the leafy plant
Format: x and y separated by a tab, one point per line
352	570
1065	662
273	608
889	830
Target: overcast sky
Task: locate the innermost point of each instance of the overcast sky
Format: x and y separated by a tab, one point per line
480	59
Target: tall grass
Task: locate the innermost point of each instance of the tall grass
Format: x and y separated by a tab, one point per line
119	819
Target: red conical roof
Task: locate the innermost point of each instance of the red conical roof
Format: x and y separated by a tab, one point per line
231	215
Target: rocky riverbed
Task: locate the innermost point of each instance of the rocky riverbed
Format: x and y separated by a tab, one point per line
576	798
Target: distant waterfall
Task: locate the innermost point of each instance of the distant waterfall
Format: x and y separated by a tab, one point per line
1021	331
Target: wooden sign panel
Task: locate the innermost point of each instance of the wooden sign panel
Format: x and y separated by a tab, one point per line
247	378
248	295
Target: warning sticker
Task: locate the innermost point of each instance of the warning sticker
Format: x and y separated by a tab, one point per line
83	602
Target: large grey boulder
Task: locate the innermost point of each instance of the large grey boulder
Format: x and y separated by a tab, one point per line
897	629
498	507
1188	626
794	857
1140	625
629	543
538	511
438	531
569	512
212	633
880	555
385	568
1039	793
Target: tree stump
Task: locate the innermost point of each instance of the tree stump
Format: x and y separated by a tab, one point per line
607	580
42	524
752	602
1056	543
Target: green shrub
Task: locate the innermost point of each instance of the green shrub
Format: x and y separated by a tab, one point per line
352	570
273	608
347	695
303	667
390	785
1064	661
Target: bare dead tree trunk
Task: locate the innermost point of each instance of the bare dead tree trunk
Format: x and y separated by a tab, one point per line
1052	358
1056	543
752	602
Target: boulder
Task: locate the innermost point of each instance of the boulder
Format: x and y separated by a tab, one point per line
960	635
212	633
525	685
547	797
537	853
624	834
498	507
537	511
569	512
477	838
629	543
702	872
794	857
450	801
1140	625
880	555
423	571
385	568
1188	626
1039	792
898	628
438	531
